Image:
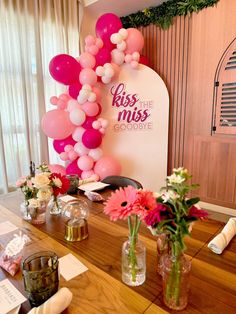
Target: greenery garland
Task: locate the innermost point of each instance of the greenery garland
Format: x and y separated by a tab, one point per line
163	14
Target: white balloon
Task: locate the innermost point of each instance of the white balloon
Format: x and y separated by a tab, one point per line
123	32
92	97
100	71
109	72
80	149
78	133
95	153
121	46
136	56
118	57
77	116
106	79
87	87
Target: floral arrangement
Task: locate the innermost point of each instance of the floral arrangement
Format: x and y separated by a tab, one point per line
133	205
39	188
173	216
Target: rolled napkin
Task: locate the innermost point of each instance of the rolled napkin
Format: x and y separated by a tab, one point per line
56	304
219	243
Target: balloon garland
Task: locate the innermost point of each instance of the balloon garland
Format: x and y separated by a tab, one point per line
75	124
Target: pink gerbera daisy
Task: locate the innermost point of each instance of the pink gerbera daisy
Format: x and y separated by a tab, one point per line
146	202
121	203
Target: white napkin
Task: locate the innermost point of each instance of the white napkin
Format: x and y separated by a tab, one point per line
219	243
56	304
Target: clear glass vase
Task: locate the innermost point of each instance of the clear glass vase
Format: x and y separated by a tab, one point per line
38	214
24	208
133	262
175	278
55	206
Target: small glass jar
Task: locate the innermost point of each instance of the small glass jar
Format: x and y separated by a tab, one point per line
38	214
24	209
133	262
55	205
74	183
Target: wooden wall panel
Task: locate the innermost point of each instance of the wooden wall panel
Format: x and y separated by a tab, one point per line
186	57
167	51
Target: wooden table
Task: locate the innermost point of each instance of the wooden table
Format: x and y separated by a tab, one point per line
100	290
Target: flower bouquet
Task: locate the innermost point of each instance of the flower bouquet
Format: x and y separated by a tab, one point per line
174	216
133	205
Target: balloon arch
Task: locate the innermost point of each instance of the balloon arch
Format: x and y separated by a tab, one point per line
75	124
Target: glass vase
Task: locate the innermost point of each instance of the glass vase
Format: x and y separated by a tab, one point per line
38	214
162	250
24	208
55	206
175	278
133	262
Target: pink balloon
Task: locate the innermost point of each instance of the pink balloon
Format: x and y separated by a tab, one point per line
57	169
96	153
90	108
103	56
56	124
72	168
65	97
87	174
54	100
64	156
100	110
61	104
134	41
106	25
74	90
68	148
88	123
85	163
97	91
88	76
60	144
144	60
64	69
92	138
107	166
72	155
87	60
116	69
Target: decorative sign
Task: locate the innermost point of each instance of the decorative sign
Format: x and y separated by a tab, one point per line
137	108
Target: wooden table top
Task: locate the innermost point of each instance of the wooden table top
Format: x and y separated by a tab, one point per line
100	290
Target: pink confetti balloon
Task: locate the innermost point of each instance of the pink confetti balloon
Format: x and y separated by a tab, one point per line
52	123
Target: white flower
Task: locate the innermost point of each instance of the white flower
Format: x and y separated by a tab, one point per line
41	180
57	182
34	202
169	195
44	194
175	179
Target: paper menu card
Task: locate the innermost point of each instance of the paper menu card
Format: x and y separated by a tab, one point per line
93	186
70	266
10	297
6	227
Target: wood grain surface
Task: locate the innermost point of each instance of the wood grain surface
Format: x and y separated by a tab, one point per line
213	277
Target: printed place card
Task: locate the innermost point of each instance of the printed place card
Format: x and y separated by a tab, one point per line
6	227
93	186
70	266
10	297
68	198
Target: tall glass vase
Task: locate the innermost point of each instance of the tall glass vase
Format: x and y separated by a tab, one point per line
55	206
175	278
162	250
24	208
133	262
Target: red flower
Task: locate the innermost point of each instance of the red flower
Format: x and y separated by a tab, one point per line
197	213
154	216
60	184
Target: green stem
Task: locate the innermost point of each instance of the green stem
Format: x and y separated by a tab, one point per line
133	229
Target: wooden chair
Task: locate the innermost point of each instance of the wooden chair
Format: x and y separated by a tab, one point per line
120	181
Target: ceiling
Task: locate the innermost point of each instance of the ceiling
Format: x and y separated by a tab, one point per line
119	7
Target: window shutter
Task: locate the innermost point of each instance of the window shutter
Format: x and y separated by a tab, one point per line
225	93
